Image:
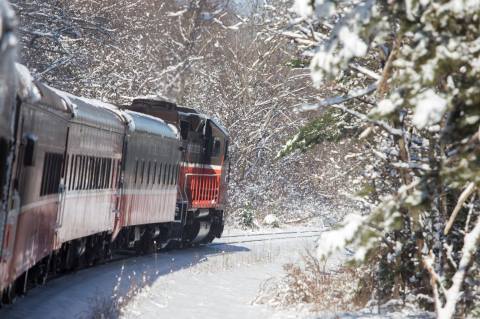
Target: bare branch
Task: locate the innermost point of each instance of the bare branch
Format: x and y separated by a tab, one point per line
461	200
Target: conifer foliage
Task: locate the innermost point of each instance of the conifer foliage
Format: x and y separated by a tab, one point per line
412	72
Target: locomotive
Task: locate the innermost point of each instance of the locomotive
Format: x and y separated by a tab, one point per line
82	179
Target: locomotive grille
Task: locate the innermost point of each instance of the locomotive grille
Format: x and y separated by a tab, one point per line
203	189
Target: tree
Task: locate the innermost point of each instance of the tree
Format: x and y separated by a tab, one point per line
420	116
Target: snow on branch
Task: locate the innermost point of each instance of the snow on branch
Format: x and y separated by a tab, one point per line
453	294
461	200
337	102
353	94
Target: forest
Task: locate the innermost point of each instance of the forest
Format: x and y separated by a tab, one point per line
361	115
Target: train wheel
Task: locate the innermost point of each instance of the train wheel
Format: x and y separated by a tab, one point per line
10	293
47	268
173	244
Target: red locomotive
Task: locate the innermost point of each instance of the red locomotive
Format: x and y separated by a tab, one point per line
81	178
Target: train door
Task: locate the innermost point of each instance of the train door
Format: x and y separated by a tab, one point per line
119	201
62	188
37	184
8	87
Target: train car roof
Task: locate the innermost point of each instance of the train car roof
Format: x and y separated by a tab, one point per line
51	99
96	113
170	111
152	125
82	110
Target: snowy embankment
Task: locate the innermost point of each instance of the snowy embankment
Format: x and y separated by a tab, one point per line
223	277
218	281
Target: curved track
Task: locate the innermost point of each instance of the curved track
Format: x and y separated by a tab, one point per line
155	265
246	238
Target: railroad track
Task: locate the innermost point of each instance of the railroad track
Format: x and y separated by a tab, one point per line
126	254
247	238
276	233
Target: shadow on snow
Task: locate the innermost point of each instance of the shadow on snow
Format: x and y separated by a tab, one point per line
72	295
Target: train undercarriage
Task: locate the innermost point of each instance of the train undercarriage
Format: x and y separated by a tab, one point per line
192	229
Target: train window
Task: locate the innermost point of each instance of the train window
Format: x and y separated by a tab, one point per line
76	176
216	147
177	173
70	175
111	171
160	174
108	167
119	174
80	172
89	172
175	180
103	171
115	173
226	150
106	172
177	169
73	172
86	177
52	170
154	172
99	173
109	174
65	168
184	128
30	141
136	171
165	174
142	172
84	172
95	172
148	173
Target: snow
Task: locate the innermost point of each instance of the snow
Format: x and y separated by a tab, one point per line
177	14
303	8
323	8
220	280
26	88
271	220
353	46
429	109
384	107
335	240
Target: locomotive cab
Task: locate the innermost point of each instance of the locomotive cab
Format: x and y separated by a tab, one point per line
202	177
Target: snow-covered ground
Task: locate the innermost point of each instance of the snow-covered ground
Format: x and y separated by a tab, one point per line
219	281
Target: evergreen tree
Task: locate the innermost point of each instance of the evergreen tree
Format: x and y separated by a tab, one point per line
420	116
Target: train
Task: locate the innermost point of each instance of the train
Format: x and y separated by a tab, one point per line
82	179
